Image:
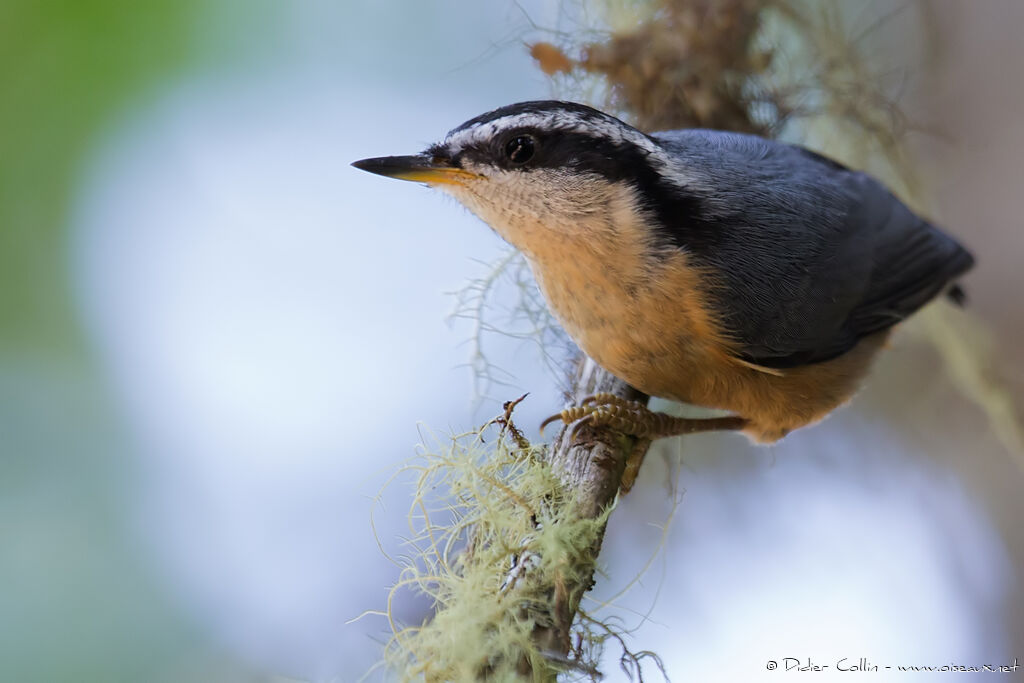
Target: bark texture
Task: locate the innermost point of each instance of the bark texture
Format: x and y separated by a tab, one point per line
591	465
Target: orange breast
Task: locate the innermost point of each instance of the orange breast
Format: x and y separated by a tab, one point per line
659	333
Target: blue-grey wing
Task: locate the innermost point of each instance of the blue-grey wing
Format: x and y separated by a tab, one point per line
810	256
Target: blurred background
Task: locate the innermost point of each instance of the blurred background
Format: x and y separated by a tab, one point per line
217	341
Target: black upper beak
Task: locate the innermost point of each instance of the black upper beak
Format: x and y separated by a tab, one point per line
420	168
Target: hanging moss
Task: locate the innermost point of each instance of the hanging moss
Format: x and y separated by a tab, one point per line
488	552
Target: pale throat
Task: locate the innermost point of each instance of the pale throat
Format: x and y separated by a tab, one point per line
589	251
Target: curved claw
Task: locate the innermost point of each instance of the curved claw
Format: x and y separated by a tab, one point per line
553	418
582	421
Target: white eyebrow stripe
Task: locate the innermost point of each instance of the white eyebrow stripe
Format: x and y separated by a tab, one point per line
573	122
558	120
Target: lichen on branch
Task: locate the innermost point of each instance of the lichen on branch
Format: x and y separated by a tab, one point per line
493	551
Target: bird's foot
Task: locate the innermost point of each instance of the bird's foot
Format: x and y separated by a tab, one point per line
637	420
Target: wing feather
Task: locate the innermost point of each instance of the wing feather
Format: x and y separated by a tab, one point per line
812	256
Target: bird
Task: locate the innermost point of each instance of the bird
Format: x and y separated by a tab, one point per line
714	268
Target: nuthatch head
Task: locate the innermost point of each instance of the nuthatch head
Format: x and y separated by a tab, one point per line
539	171
714	268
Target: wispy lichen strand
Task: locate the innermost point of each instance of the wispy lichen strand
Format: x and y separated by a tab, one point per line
489	551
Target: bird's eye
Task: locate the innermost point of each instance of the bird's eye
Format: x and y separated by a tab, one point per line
520	149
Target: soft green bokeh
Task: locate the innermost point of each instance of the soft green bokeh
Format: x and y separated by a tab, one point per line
76	602
65	68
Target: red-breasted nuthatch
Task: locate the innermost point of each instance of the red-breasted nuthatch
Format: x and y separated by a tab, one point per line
713	268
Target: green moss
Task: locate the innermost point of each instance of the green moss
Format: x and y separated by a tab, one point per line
488	553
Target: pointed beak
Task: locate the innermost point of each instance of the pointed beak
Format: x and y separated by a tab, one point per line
420	168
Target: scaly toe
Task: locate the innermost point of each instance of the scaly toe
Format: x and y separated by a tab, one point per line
554	418
568	416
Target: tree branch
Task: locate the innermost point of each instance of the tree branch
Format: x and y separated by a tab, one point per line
591	466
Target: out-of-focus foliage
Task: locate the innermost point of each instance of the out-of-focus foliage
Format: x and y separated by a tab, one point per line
71	587
65	68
